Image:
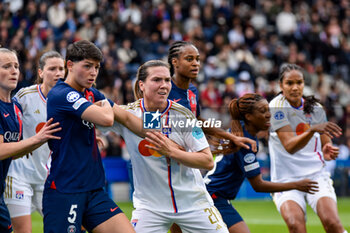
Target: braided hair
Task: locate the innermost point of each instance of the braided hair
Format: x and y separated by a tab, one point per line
238	109
174	51
310	101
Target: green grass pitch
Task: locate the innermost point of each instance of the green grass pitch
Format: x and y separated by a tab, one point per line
261	216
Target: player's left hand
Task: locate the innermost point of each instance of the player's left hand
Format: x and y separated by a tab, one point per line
160	143
330	152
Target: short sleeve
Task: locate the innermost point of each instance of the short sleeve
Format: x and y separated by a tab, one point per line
279	117
194	137
71	102
251	165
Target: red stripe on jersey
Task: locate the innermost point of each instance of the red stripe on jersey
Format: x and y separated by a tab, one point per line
42	97
170	186
193	101
19	119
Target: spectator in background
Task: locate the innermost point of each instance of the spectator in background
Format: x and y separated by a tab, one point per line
245	84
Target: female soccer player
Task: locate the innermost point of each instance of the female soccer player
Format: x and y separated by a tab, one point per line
300	141
168	187
73	193
250	114
11	128
184	62
27	175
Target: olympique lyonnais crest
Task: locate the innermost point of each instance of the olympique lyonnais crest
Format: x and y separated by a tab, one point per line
19	195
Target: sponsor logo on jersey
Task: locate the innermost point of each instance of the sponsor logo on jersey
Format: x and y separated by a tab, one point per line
177	100
19	195
6	114
88	124
197	132
301	128
151	120
37	111
11	136
279	115
72	96
146	151
251	167
249	158
78	103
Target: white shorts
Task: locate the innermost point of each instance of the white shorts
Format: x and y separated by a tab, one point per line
22	198
207	220
325	187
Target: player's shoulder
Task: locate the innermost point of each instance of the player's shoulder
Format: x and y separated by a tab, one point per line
278	102
26	91
132	106
179	109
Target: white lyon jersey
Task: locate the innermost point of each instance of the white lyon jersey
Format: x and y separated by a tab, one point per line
34	169
306	161
163	184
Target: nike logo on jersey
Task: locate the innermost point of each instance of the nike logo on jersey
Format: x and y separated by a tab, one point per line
9	226
37	111
176	100
112	210
6	114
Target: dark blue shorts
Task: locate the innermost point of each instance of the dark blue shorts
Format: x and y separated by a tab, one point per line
5	220
67	212
228	212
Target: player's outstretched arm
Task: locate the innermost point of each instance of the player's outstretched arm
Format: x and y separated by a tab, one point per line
23	147
202	159
260	185
100	114
238	141
129	120
294	143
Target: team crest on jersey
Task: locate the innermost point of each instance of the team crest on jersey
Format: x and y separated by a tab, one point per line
249	158
134	222
72	96
19	195
71	229
308	118
279	115
166	130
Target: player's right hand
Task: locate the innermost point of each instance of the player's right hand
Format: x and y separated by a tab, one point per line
307	185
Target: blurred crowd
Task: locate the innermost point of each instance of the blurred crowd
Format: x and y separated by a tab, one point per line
241	45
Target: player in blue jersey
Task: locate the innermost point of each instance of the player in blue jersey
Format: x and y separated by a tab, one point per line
11	145
73	194
250	114
184	62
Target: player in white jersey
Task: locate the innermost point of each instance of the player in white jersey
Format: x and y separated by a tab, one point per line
300	141
26	176
168	188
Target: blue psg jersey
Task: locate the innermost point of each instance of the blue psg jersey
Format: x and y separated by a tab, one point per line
186	97
76	162
230	171
11	130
